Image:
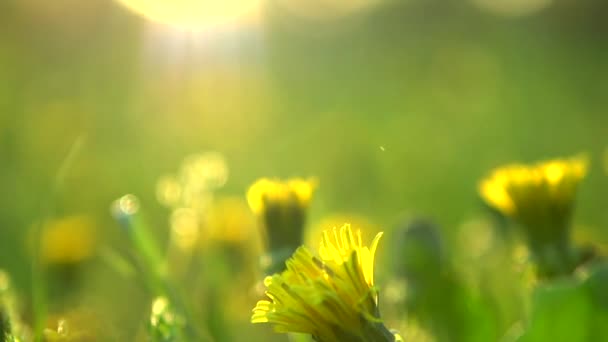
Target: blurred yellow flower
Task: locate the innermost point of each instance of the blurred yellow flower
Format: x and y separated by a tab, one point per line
282	207
537	195
229	220
540	197
331	297
68	240
266	192
230	230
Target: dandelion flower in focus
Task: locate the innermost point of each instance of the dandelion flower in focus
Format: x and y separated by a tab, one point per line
313	234
541	198
331	297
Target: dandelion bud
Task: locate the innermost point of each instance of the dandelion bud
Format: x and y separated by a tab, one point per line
282	207
540	198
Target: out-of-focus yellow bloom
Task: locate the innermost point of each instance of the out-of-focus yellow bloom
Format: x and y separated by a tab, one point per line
331	297
232	245
282	207
541	198
68	240
229	220
266	192
535	195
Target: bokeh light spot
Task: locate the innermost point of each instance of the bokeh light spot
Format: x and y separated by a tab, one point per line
184	228
127	205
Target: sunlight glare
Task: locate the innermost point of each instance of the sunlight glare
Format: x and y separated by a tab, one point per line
195	15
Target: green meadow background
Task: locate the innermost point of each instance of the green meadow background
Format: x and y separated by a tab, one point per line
397	110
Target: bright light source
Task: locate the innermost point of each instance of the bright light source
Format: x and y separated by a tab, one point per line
195	15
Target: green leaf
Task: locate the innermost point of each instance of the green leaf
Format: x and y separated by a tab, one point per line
561	311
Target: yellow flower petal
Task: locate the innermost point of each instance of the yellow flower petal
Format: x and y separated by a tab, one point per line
331	296
535	195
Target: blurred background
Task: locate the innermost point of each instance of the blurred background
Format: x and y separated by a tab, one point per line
398	108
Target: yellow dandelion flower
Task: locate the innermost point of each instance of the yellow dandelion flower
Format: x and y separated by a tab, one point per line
537	196
331	297
540	197
68	240
265	193
313	234
229	220
230	235
282	207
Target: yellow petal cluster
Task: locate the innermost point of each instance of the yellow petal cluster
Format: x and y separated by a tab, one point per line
282	207
330	297
535	194
313	234
267	191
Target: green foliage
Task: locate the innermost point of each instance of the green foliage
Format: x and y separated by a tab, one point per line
398	110
11	329
164	324
570	310
561	311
